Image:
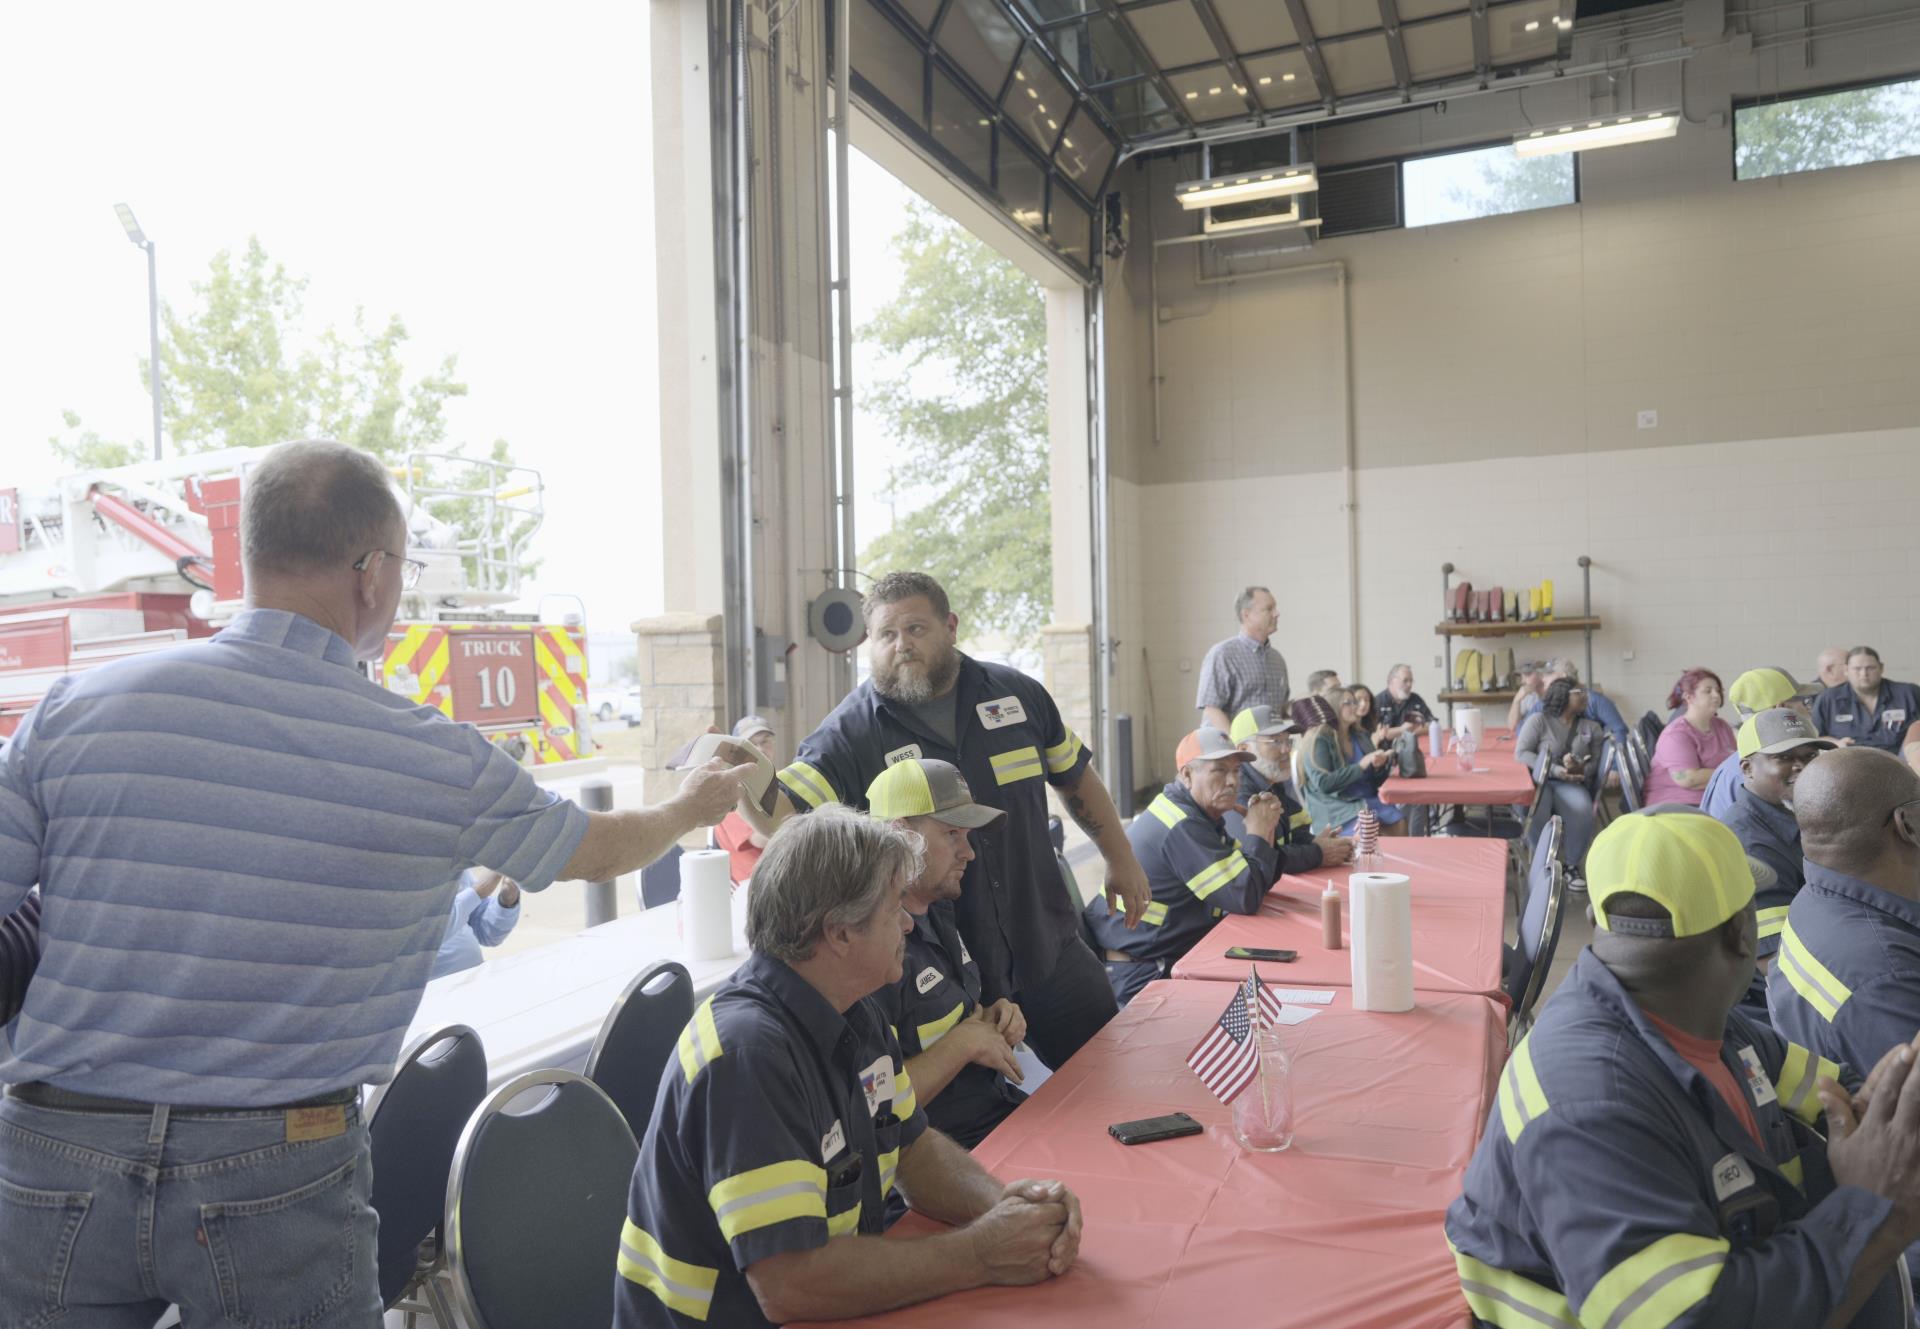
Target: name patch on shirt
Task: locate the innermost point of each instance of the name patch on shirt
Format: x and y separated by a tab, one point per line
999	714
1894	718
1731	1175
928	980
1844	719
911	752
1757	1080
876	1082
832	1142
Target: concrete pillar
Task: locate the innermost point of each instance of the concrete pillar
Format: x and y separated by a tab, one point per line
1068	663
683	692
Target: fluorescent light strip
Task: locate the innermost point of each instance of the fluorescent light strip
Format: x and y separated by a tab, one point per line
1246	188
1605	132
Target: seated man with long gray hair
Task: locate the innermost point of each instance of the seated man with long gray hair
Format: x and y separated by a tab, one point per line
789	1116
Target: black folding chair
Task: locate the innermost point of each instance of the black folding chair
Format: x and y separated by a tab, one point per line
413	1122
637	1038
1538	931
535	1205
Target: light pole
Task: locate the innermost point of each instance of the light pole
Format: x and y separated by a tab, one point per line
139	237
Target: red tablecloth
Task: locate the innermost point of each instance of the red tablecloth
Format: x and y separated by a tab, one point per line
1341	1231
1459	917
1498	777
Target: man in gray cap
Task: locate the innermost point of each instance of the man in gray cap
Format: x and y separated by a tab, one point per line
1267	736
1773	746
959	1053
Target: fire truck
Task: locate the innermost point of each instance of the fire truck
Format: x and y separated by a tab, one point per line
107	564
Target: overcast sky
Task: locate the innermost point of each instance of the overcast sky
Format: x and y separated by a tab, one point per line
482	170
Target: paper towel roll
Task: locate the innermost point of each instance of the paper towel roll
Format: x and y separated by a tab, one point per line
1382	906
706	904
1468	720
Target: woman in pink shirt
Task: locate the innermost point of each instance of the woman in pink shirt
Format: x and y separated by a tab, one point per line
1694	741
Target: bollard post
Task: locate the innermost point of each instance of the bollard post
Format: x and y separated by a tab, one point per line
603	901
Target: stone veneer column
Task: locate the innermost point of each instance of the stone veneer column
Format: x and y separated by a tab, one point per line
683	691
1067	653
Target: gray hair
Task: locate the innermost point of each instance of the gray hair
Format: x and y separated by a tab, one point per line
1396	669
1244	601
1564	667
830	868
314	505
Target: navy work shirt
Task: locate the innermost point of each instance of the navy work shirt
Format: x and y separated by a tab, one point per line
1838	713
1014	909
1769	833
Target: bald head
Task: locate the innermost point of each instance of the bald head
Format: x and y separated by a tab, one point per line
1844	804
316	506
1833	666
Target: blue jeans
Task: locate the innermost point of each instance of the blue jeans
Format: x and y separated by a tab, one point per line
1574	805
107	1217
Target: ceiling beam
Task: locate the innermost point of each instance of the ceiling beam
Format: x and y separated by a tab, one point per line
1396	45
1482	45
1217	33
1140	53
1310	48
1359	34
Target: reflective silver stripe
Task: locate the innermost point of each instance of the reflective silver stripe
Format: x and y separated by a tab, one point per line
686	1290
771	1193
1625	1309
1518	1099
1533	1313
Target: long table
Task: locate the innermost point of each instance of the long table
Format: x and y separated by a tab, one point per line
1498	777
543	1007
1459	915
1341	1231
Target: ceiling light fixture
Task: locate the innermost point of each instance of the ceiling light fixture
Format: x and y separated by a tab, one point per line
1533	25
1265	79
1606	132
1227	189
1286	78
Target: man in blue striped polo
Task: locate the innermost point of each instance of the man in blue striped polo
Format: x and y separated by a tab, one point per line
245	851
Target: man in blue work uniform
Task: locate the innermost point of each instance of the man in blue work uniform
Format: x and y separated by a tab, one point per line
959	1053
1649	1159
788	1118
1869	708
1001	729
1199	873
1754	691
1847	980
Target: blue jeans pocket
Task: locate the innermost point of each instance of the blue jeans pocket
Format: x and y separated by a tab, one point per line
286	1261
37	1233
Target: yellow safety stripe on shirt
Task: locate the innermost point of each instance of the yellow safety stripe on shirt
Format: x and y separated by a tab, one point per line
1521	1097
699	1042
1772	920
1215	875
1166	811
842	1225
889	1168
1800	1077
1656	1286
1156	914
1300	818
1062	755
1794	1171
763	1196
687	1288
1509	1300
1019	764
1811	979
934	1030
808	785
905	1101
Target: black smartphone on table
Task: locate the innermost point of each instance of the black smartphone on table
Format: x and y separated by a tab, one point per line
1261	953
1148	1129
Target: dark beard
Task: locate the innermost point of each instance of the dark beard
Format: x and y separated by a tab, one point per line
915	688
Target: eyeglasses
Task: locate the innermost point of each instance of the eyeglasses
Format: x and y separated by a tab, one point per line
410	568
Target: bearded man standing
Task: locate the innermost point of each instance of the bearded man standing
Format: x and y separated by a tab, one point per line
928	699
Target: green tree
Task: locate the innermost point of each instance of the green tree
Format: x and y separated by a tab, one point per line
242	369
977	450
1508	182
1839	129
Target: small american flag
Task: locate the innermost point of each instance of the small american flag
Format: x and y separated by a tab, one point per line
1227	1059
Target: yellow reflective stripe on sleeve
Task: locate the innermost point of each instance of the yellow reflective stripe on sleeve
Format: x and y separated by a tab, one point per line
1156	914
767	1195
1215	875
889	1169
1301	818
1811	979
1166	811
683	1287
1800	1076
1509	1300
932	1032
1062	755
1654	1287
808	785
1019	764
699	1043
905	1101
1521	1097
841	1225
1794	1171
1772	920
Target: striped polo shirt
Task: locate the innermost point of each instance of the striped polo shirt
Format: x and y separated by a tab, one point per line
246	852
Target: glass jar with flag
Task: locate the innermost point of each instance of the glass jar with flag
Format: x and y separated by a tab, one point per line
1263	1111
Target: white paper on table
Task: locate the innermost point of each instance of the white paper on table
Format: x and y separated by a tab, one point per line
1297	1014
1303	996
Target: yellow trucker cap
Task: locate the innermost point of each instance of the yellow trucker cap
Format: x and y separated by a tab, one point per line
1764	689
1676	855
1259	721
926	787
